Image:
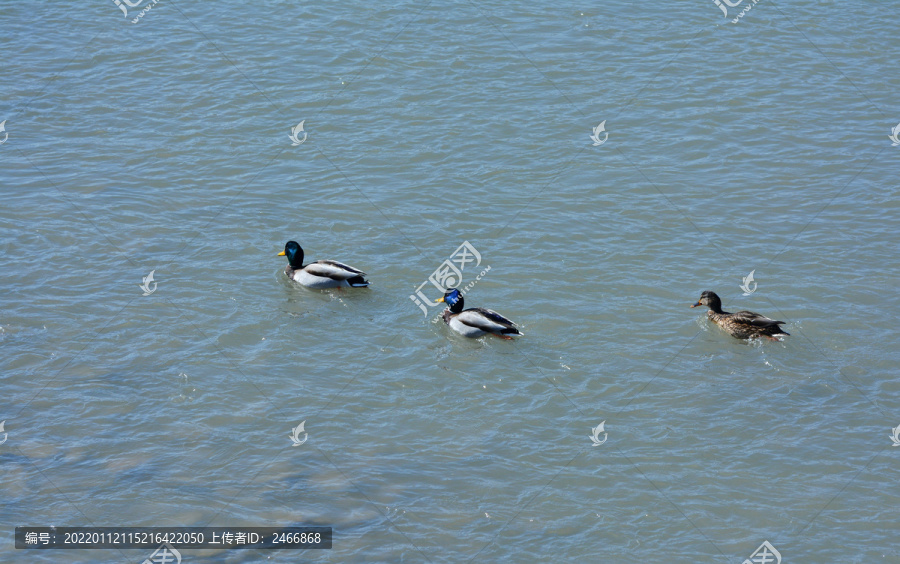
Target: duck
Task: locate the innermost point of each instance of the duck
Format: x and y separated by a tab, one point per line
322	273
476	321
740	324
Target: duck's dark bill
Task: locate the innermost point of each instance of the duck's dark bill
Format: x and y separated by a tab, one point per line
281	254
697	304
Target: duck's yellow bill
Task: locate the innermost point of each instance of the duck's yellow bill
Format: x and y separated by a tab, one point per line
281	254
439	301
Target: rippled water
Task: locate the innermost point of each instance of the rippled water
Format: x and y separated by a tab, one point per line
759	146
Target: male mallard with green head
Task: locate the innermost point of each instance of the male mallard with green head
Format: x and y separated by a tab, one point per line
476	321
741	324
322	273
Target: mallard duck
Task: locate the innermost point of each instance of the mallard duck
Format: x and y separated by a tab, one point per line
741	324
476	321
322	273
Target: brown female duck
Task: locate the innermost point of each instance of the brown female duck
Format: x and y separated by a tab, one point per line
741	324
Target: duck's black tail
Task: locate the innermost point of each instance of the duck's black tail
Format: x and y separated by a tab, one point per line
358	282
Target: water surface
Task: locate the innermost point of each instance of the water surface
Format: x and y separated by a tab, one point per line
163	145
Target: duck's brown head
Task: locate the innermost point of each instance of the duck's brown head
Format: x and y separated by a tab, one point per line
710	300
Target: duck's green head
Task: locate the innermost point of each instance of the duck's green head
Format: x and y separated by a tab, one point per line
710	300
453	299
294	254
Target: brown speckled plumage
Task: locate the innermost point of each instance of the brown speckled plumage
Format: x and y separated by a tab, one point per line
740	324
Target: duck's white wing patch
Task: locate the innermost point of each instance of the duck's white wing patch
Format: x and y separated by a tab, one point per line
304	278
475	318
463	329
332	269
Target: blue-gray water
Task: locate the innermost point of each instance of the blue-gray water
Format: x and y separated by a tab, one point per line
164	145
